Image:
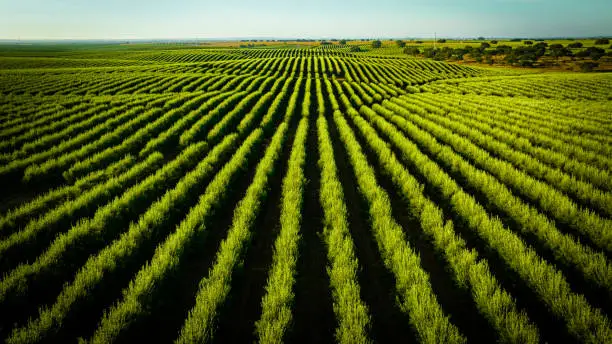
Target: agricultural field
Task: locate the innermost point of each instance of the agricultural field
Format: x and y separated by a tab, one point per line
182	193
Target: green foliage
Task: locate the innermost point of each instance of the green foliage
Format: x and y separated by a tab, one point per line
167	256
412	51
199	325
351	311
495	303
557	294
412	284
588	66
376	44
276	303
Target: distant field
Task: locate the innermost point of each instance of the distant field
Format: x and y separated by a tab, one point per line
300	193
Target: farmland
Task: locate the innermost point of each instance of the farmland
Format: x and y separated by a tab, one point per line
183	193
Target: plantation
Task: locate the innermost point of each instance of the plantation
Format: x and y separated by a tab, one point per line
311	193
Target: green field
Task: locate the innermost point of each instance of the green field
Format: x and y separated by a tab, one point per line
200	193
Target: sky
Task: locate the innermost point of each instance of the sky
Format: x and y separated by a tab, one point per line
205	19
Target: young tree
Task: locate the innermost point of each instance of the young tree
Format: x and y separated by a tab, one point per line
400	43
376	44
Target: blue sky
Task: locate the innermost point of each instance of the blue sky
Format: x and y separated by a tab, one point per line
141	19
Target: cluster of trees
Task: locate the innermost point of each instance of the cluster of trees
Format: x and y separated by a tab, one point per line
252	45
525	56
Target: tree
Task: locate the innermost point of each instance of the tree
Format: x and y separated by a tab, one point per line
400	43
481	38
503	49
343	42
602	41
543	45
419	42
588	66
354	49
575	45
376	44
493	42
594	53
558	50
442	40
412	51
484	45
528	42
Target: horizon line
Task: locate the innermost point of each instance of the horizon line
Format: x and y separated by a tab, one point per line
272	38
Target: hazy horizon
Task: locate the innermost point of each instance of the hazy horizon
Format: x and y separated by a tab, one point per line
276	19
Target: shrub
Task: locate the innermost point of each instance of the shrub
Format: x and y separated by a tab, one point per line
376	44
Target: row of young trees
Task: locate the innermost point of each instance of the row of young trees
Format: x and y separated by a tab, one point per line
115	322
578	256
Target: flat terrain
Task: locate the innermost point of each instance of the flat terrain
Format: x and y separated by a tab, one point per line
196	193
